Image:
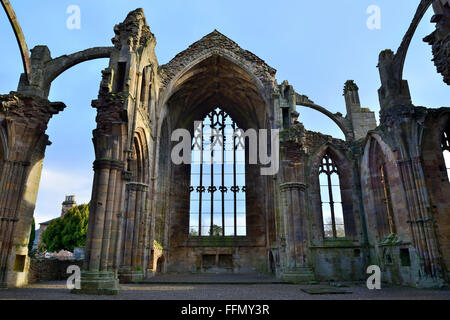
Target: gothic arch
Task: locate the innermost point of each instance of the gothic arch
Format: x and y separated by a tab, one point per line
200	89
347	189
190	64
382	197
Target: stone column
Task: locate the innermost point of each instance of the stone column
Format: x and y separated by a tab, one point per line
293	195
99	276
421	221
295	232
132	268
23	121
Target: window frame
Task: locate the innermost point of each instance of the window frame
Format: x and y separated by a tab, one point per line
328	166
219	122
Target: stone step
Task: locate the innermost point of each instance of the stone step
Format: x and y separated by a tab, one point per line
299	275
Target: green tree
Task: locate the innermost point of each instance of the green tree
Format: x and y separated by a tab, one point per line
69	231
216	231
32	236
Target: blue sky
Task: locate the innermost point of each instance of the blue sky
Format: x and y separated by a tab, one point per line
315	45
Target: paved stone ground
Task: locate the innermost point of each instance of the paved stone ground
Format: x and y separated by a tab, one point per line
58	291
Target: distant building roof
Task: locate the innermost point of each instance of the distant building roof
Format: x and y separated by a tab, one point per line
46	222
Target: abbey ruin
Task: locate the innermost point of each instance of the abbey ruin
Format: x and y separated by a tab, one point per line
379	197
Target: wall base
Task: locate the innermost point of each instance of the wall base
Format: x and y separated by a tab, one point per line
131	276
300	275
98	282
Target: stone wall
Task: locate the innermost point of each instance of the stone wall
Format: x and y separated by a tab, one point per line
50	269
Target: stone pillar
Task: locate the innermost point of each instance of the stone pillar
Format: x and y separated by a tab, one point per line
99	276
421	221
135	225
23	121
295	232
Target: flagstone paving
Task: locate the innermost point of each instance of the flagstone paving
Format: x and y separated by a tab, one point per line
263	291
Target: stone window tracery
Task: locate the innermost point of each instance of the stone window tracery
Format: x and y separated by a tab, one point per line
217	190
330	195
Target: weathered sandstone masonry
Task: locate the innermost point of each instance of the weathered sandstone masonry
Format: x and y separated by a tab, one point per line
335	206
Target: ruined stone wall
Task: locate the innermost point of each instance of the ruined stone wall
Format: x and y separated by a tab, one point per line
50	269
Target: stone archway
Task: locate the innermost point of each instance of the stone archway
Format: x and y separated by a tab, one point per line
201	80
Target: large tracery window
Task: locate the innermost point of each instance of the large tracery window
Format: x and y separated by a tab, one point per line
445	144
217	191
330	195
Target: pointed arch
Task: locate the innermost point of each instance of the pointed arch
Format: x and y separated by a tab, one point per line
340	185
384	199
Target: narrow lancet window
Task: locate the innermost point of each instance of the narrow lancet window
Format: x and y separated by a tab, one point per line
330	194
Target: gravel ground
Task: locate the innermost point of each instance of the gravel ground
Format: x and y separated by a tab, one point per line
58	291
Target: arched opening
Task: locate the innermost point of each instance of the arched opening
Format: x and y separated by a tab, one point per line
331	200
160	265
332	196
272	265
315	120
67	167
379	180
216	87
